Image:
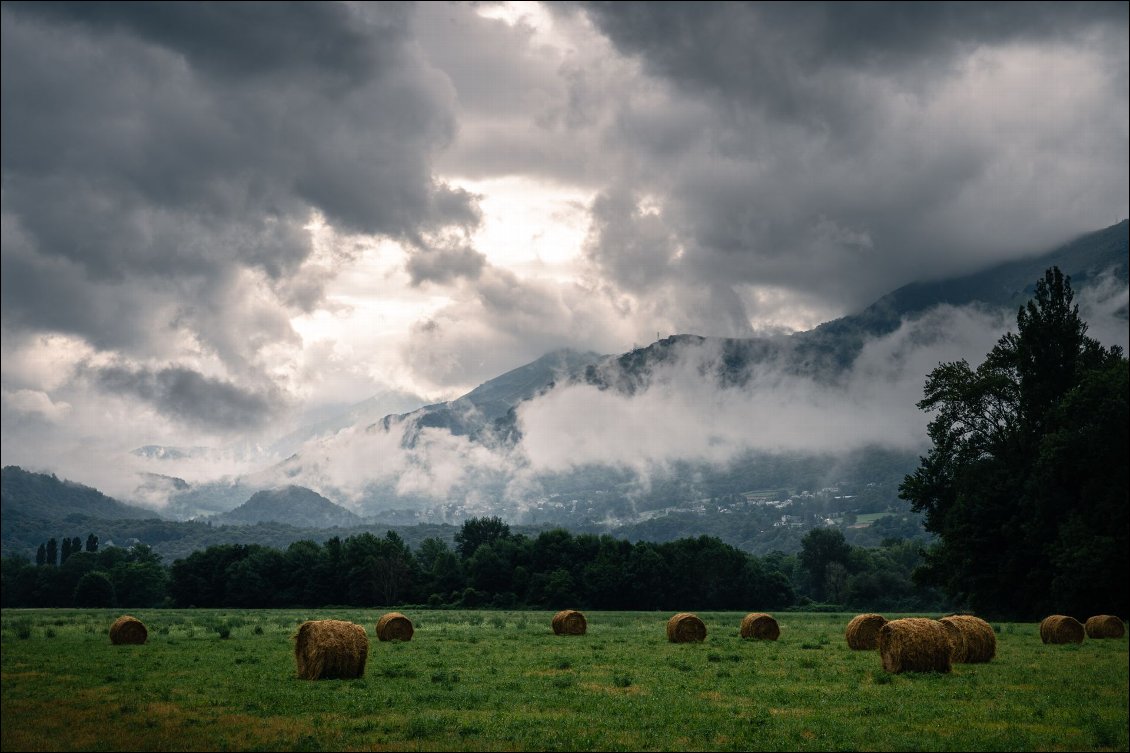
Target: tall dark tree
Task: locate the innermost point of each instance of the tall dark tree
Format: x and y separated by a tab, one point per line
1022	471
41	555
52	551
92	543
76	545
66	551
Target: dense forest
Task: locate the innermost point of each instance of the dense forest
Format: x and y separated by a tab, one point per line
489	566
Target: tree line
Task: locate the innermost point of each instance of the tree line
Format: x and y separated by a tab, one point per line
488	566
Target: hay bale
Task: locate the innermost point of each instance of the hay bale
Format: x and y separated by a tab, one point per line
569	622
862	632
1060	628
1104	626
760	626
330	650
959	650
685	628
975	641
128	630
914	644
394	627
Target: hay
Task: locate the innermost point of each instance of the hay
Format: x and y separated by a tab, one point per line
330	650
128	630
914	644
760	626
959	649
685	628
569	622
975	641
1060	628
394	627
1104	626
862	632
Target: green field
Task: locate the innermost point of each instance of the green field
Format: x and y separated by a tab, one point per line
484	680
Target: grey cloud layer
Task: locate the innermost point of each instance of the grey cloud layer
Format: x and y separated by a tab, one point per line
191	398
160	162
844	149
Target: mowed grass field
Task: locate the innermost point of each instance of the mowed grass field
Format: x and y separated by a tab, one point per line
486	680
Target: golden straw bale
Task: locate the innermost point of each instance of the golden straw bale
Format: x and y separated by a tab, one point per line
760	626
394	627
975	641
128	630
1104	626
1061	628
330	650
862	632
569	622
914	644
685	628
958	648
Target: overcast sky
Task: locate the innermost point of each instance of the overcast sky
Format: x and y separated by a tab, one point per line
220	221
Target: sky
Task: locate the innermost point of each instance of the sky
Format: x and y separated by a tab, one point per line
222	222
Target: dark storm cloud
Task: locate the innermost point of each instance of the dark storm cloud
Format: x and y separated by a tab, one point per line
726	47
247	38
840	150
189	397
444	265
170	146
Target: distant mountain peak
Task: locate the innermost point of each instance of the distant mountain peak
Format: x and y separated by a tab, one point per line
292	505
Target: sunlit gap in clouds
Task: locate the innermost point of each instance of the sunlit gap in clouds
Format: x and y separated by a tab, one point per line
531	227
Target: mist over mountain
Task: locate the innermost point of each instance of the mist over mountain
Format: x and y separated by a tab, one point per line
686	424
582	439
752	440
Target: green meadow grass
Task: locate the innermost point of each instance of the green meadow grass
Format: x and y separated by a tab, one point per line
485	680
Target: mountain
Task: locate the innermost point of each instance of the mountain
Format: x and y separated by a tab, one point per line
293	505
480	410
486	453
43	496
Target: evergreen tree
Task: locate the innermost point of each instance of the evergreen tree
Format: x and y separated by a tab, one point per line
66	552
92	543
41	555
52	551
1027	470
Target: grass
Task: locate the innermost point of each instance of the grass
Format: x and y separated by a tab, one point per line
225	680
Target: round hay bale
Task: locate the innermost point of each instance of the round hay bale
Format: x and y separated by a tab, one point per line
862	632
128	630
1104	626
975	641
1061	628
914	644
330	650
569	622
394	627
760	626
958	647
685	628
